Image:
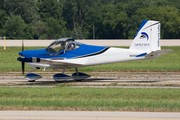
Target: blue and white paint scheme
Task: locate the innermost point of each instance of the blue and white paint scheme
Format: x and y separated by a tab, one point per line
66	53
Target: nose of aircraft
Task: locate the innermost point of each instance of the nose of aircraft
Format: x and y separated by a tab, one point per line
21	53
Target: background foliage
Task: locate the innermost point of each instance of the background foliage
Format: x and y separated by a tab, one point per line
110	19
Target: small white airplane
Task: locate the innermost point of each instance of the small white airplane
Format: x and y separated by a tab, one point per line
66	53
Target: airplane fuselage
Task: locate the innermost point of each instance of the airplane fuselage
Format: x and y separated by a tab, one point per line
111	55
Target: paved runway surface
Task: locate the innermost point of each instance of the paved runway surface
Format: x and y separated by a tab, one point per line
86	115
103	79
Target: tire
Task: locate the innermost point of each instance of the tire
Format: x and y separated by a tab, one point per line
31	80
59	81
78	80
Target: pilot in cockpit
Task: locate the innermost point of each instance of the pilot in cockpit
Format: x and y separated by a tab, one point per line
63	46
71	46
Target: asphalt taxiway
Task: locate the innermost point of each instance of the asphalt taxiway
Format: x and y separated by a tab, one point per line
86	115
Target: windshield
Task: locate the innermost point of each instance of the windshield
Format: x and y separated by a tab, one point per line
56	46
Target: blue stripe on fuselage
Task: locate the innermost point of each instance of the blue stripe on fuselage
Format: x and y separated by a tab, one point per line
141	55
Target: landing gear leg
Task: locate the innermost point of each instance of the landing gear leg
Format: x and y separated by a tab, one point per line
77	73
63	70
32	71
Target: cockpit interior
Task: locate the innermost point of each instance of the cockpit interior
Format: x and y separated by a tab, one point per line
63	45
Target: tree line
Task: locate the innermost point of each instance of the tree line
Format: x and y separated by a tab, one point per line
86	19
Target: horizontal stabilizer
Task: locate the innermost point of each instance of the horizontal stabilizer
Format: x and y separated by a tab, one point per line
157	53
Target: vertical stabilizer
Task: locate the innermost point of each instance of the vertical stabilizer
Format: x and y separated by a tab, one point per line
147	38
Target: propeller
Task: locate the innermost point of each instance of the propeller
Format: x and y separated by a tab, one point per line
22	63
22	45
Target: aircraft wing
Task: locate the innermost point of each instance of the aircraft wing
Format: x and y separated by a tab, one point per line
157	53
54	61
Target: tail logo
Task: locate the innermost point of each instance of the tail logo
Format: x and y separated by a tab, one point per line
144	36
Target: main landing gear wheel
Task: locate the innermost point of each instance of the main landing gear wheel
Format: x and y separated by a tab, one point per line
78	76
31	80
61	77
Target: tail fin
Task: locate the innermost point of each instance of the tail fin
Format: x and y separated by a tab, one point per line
147	38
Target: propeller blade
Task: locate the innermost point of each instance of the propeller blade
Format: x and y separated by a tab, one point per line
23	65
22	45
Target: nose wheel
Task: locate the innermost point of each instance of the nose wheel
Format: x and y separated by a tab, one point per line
31	77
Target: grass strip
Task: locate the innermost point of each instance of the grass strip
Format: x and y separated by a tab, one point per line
96	99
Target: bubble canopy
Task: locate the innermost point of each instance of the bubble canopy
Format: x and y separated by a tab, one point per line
63	44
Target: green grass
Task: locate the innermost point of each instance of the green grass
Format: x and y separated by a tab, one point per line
169	62
8	58
104	99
